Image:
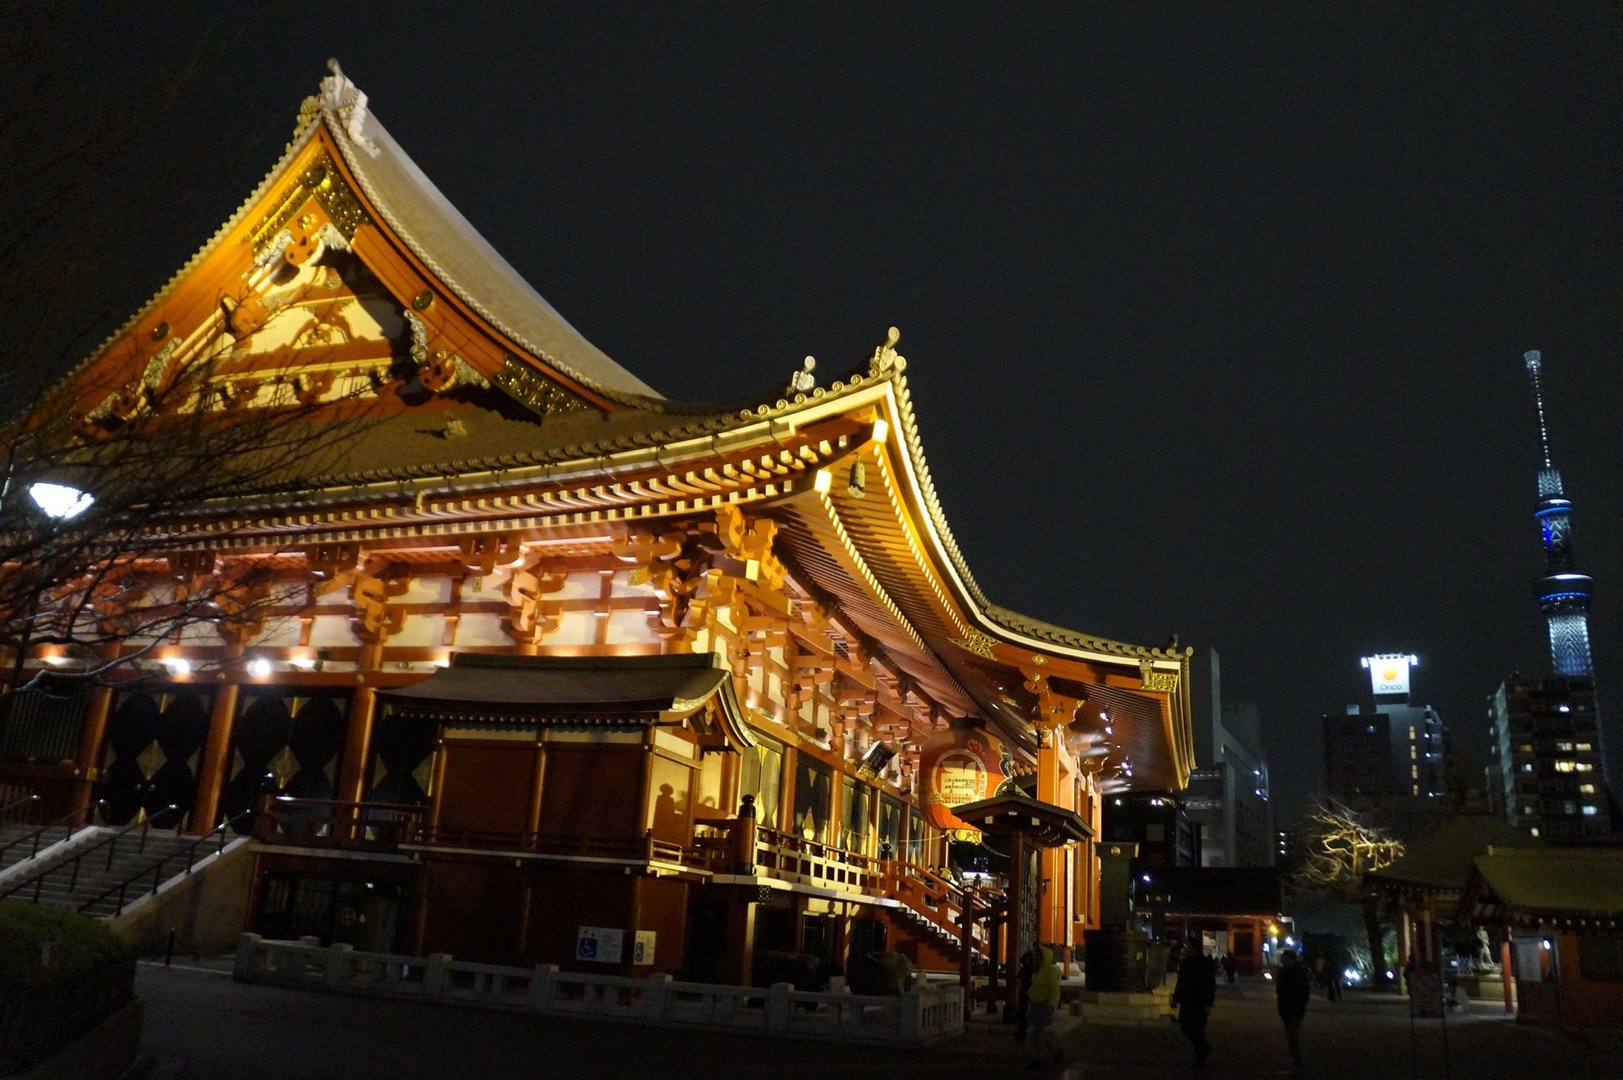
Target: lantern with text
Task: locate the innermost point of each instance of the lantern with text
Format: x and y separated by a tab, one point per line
962	764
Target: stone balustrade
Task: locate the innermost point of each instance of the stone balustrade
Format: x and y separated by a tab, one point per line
920	1016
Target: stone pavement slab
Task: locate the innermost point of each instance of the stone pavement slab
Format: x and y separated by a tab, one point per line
202	1025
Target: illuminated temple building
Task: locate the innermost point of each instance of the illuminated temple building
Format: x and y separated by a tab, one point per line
543	640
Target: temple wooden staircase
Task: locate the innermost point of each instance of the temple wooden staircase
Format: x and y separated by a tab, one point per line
927	915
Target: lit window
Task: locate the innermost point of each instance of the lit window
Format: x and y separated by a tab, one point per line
1590	810
1413	752
1414	771
1527	766
1586	789
1583	766
1584	747
1566	766
1534	830
1525	748
1564	747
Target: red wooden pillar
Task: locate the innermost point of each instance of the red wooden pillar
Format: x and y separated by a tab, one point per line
211	777
87	760
357	745
1506	976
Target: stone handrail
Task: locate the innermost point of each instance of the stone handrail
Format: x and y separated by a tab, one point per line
911	1019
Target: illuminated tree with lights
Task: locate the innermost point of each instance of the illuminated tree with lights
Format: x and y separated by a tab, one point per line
1338	849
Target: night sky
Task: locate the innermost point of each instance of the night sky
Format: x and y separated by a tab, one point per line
1214	319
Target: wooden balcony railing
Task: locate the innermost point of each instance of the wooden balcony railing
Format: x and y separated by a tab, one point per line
324	823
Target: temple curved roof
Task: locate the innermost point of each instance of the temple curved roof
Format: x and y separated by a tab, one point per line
475	452
454	250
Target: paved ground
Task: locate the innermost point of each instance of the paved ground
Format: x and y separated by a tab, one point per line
200	1024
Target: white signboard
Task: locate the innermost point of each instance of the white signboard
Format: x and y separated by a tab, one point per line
642	947
599	944
1389	673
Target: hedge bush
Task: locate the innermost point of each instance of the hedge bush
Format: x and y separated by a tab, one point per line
42	1009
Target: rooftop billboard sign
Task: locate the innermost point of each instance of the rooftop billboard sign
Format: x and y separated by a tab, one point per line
1389	672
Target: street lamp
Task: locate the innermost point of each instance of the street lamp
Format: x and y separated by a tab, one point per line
60	501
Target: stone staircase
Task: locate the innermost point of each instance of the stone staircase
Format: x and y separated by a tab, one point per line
18	843
96	864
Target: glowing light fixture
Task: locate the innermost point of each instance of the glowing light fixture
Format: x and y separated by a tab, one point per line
881	431
178	665
259	667
823	482
60	501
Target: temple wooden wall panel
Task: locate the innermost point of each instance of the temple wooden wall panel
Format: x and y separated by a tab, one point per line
592	791
488	788
472	909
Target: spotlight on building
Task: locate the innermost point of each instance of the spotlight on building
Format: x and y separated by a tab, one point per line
875	760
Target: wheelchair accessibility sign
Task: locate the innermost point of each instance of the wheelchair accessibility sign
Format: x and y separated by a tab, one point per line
599	944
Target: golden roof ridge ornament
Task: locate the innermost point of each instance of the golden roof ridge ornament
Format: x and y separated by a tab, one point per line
346	102
886	360
803	381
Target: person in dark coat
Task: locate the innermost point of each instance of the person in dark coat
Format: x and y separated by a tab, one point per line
1194	994
1294	989
1230	966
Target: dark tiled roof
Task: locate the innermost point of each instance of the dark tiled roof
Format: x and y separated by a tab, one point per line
1442	861
1555	881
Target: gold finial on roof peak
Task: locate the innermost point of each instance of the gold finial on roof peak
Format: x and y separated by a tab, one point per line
885	358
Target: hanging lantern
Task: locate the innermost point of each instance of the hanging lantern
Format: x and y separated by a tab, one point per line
962	764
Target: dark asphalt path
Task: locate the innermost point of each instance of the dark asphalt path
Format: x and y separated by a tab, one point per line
200	1024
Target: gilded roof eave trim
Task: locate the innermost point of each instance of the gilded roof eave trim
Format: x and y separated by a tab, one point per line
303	134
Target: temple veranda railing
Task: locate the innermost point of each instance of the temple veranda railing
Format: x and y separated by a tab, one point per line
721	846
913	1018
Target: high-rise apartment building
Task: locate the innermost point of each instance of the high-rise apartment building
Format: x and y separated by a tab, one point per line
1546	751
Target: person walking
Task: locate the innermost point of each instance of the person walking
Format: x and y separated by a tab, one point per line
1230	966
1194	994
1041	1001
1294	989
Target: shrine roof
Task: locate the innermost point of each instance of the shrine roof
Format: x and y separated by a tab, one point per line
606	684
436	232
1442	860
1554	881
1044	823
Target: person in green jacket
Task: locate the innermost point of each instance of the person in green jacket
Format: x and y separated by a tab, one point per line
1041	1001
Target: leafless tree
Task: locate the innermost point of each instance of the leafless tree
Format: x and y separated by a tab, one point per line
1339	847
165	459
160	437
